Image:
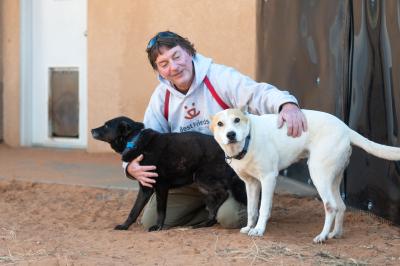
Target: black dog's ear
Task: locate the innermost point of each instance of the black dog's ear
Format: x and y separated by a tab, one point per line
139	125
125	128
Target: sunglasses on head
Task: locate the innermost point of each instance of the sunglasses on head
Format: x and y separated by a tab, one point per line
165	34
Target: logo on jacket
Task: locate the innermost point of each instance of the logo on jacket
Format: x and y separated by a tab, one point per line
191	113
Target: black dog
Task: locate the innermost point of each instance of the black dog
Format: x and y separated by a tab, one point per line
180	158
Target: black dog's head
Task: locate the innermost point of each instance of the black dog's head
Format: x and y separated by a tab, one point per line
117	132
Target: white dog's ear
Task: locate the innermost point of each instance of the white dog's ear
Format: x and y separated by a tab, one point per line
211	127
244	109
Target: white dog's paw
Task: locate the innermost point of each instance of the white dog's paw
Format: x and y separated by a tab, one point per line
335	235
320	239
256	232
245	230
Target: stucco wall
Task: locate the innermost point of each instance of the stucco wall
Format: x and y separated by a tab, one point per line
10	44
120	80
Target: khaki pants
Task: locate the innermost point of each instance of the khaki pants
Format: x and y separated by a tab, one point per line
185	207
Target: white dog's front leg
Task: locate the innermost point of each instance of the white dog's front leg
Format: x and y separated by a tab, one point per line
253	198
267	192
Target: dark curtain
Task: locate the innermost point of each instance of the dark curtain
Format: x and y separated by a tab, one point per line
341	57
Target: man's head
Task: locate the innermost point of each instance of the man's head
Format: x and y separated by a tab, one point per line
171	56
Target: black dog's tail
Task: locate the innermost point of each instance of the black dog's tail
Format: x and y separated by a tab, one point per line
238	190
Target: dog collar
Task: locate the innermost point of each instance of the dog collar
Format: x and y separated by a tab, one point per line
132	143
241	154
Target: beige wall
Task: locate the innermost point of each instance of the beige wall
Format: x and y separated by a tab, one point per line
10	45
120	80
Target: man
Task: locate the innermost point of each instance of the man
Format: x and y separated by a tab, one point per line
191	89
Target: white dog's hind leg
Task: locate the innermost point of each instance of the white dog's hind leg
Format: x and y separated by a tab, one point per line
267	192
330	214
253	198
341	164
323	183
338	229
328	159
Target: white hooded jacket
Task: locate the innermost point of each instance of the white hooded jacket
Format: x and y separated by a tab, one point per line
192	111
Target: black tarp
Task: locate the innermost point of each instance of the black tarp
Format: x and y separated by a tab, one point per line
341	57
1	75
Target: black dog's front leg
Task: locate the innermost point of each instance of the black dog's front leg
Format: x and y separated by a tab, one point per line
141	200
162	197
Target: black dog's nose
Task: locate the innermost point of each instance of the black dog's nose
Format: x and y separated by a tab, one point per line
95	134
231	135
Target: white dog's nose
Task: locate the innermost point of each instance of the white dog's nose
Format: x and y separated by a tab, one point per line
231	135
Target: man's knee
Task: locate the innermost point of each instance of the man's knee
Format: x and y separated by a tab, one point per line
185	207
148	220
232	214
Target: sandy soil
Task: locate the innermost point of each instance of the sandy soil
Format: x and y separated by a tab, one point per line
49	224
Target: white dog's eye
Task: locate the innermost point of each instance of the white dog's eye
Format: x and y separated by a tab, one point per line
237	120
220	124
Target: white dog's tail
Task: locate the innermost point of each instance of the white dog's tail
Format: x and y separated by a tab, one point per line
379	150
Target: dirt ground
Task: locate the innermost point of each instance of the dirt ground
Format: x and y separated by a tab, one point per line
51	224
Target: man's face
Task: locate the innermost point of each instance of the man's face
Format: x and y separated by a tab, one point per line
175	65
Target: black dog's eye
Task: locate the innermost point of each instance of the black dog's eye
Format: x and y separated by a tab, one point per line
105	126
237	120
220	124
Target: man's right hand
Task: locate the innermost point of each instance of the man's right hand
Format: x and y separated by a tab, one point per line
142	173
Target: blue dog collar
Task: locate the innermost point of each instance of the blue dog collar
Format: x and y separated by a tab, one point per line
132	143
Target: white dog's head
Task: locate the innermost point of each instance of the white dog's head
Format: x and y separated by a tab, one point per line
230	128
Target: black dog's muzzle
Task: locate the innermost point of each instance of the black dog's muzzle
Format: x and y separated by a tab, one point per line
95	134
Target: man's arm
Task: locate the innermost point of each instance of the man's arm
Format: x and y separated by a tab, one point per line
261	98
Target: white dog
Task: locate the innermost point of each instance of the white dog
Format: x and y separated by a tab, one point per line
257	150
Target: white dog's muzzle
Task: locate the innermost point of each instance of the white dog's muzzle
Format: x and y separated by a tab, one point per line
241	154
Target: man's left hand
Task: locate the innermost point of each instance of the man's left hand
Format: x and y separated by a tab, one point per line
295	119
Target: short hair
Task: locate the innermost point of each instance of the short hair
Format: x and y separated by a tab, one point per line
170	40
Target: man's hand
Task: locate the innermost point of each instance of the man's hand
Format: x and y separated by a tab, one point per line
295	120
141	173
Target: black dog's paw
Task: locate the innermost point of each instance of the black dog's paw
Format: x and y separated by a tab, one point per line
155	228
121	227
